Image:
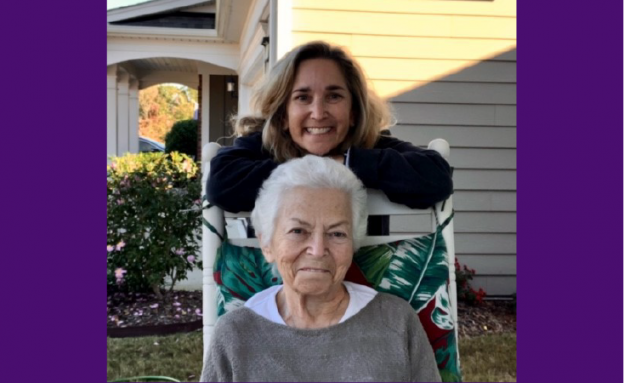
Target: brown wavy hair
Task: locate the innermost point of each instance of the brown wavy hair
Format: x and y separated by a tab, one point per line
371	113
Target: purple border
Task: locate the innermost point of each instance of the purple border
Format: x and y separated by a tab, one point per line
569	128
54	117
569	133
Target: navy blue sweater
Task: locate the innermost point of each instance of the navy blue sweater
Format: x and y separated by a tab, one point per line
408	175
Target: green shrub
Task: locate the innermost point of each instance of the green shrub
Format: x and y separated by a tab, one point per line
465	292
182	138
153	220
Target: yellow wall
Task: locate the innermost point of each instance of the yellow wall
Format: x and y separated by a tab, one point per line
401	43
449	70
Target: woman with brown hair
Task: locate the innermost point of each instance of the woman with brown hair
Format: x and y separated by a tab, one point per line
316	101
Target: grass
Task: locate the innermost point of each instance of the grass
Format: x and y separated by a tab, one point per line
489	358
178	356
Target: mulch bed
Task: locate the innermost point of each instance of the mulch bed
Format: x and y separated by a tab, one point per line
181	311
139	309
490	317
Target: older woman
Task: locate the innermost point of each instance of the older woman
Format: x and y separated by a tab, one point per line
316	101
310	216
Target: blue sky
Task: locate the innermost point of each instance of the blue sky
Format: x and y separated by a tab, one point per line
110	4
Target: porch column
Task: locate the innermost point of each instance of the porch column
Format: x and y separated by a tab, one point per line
281	29
205	109
133	116
111	111
122	113
244	98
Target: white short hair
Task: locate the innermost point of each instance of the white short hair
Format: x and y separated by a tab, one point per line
309	172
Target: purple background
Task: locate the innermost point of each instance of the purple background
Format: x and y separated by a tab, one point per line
569	133
53	122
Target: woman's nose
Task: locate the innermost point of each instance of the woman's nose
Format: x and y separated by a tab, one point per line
318	109
317	245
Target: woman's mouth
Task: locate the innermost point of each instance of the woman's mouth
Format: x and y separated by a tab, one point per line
317	131
312	270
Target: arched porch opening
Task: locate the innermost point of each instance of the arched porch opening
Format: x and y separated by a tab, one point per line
127	78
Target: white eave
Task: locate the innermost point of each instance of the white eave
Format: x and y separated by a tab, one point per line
150	8
228	20
164	33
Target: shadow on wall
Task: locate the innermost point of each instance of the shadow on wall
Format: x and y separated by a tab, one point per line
474	109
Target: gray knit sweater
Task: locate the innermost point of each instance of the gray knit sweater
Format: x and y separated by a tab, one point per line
384	342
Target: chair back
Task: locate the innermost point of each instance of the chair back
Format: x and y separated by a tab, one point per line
215	218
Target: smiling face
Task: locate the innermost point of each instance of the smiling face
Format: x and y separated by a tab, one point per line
312	242
319	113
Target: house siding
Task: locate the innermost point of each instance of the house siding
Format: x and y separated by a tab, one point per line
449	71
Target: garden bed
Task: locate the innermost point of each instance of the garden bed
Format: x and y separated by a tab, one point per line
140	314
137	314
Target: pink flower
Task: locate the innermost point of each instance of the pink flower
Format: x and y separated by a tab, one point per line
110	248
119	273
176	303
179	252
178	309
120	245
190	258
177	316
154	306
198	312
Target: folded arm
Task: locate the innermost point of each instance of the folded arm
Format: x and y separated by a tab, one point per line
237	173
408	175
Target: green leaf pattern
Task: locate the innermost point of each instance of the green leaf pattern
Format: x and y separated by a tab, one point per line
243	272
441	314
414	269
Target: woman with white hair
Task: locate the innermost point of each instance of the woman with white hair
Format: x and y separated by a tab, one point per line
310	216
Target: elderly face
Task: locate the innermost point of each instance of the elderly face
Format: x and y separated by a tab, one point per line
319	107
312	242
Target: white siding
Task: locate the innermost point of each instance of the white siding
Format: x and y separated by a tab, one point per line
449	70
252	62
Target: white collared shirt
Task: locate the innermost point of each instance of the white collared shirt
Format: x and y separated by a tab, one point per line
264	303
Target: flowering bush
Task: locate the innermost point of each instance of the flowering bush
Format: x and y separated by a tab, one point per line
465	292
153	220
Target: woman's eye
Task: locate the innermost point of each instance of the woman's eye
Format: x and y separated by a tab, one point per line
338	234
335	96
302	97
297	231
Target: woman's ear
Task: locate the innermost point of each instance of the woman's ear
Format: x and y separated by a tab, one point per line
266	250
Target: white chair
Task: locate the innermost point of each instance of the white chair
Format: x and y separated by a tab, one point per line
378	204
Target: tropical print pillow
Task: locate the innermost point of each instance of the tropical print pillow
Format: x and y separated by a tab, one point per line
415	269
